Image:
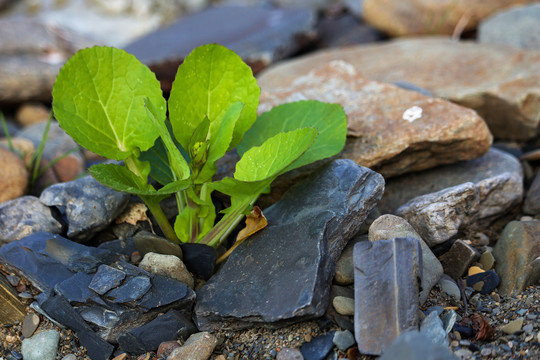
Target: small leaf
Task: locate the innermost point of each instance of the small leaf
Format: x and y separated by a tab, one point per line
274	155
198	144
254	222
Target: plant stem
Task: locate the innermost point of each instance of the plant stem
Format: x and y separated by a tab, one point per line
160	217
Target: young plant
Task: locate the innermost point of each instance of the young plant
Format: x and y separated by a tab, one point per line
112	104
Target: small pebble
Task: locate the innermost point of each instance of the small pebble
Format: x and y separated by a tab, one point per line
69	357
513	326
343	305
343	340
289	354
463	353
30	324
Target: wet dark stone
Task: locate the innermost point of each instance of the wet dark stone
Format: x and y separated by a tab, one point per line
119	246
166	291
283	273
75	289
318	347
489	278
146	242
465	331
200	259
133	288
106	278
87	205
170	326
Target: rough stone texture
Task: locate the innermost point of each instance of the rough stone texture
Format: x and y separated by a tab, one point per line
167	265
13	176
24	216
283	273
199	346
388	227
41	346
457	260
498	176
432	327
414	345
344	266
507	99
87	205
531	205
517	256
259	35
319	347
415	17
518	27
387	281
379	137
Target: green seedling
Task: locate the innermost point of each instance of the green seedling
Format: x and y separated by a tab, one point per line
112	104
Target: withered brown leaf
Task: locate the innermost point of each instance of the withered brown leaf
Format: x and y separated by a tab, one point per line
484	331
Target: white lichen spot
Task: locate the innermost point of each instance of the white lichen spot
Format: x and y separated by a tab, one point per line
412	113
343	66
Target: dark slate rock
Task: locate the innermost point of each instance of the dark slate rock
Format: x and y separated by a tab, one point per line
133	288
87	205
24	216
414	345
387	277
259	35
167	291
124	247
106	278
531	205
489	280
458	259
146	242
59	309
344	30
283	273
170	326
75	289
318	347
465	331
200	259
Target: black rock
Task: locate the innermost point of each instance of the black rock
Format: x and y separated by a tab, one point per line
119	246
75	289
489	278
200	259
318	347
465	331
133	288
166	291
283	273
106	278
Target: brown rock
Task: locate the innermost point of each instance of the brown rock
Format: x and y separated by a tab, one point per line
13	176
500	83
32	113
381	133
412	17
199	346
24	147
456	260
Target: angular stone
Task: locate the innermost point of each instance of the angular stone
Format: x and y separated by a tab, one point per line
167	265
513	326
41	346
24	216
13	176
415	17
133	288
457	260
439	216
146	242
318	347
166	291
414	345
388	227
105	279
517	256
518	27
76	288
307	231
531	205
506	99
432	327
87	205
389	308
343	340
259	35
379	135
199	346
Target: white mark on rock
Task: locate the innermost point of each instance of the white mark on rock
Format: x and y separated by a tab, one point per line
412	113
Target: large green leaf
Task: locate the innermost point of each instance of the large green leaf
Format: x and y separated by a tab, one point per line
98	99
274	155
210	80
329	119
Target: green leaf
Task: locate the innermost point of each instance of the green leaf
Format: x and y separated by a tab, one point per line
198	144
210	80
329	119
274	155
98	99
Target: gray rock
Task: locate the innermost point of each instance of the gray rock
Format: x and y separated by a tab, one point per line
76	288
387	280
24	216
343	305
319	347
449	318
167	265
41	346
289	354
432	327
343	340
283	273
414	345
344	266
133	288
389	227
531	205
105	279
518	27
458	259
517	256
146	242
449	286
87	205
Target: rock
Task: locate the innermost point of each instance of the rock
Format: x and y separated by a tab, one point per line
87	205
343	305
484	282
29	325
13	176
388	227
502	98
517	256
344	266
24	216
345	30
31	113
457	260
343	340
289	354
415	17
318	347
24	147
415	345
384	311
432	327
379	135
146	242
168	266
449	286
199	346
487	260
513	326
105	279
449	318
531	205
259	35
166	347
41	346
518	27
77	288
265	271
200	259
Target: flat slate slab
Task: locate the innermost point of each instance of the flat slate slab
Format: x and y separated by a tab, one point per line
283	273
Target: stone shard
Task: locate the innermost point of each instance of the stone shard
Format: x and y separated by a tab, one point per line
458	259
380	135
387	281
507	99
105	279
283	273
